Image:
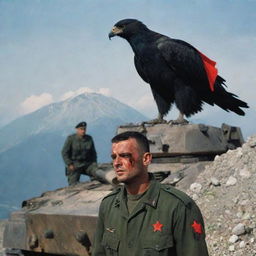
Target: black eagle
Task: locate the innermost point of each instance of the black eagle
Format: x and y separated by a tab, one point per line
176	71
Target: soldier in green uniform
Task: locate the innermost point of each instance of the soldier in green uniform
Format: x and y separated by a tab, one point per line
145	217
79	155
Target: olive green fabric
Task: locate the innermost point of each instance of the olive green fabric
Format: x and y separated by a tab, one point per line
74	176
165	222
132	201
80	152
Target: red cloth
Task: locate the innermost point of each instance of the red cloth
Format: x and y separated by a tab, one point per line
211	71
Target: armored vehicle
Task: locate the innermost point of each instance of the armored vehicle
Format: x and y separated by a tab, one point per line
62	222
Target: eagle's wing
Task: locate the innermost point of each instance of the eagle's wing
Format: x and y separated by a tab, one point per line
163	102
185	61
140	69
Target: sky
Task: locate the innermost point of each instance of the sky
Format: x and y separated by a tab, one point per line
54	49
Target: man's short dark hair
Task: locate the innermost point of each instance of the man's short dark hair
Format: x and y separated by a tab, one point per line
139	137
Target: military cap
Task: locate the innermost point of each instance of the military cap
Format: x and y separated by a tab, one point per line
81	124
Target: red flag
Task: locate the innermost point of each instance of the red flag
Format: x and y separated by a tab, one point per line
211	71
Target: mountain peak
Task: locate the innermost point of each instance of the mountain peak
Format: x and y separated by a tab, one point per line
64	115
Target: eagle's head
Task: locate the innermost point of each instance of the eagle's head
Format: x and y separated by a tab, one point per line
127	28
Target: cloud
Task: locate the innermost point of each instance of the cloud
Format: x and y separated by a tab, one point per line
35	102
82	90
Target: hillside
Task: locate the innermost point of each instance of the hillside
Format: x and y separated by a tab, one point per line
226	195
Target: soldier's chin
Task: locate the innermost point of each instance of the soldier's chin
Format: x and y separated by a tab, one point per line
121	177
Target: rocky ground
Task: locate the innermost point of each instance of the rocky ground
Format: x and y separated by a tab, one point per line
225	192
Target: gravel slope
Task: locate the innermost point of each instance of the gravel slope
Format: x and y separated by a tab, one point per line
226	194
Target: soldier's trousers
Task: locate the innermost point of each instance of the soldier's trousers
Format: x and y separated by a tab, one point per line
74	176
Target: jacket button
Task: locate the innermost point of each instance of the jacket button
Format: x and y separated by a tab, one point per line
157	247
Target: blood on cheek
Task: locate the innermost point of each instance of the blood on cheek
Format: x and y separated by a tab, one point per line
131	160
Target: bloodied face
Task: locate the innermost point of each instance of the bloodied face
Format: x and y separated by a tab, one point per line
129	161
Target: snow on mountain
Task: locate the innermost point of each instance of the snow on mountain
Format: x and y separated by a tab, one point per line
63	116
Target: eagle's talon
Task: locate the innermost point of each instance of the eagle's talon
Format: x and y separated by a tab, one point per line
156	121
178	122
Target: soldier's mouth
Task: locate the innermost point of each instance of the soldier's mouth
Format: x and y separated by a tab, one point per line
119	172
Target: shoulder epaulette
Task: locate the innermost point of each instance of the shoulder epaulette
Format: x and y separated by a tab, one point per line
114	192
178	194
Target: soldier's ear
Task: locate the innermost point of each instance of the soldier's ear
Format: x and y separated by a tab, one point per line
147	157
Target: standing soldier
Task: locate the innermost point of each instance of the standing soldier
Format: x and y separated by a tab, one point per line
145	217
79	155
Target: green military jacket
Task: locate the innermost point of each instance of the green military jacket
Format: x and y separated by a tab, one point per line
79	151
165	222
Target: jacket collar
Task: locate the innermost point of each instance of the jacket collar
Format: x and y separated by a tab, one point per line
150	198
152	195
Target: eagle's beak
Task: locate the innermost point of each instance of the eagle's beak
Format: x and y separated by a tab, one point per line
114	32
110	35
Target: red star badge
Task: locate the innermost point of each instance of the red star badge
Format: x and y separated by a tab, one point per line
157	226
197	227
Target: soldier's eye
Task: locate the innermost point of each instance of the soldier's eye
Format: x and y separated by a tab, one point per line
126	155
113	157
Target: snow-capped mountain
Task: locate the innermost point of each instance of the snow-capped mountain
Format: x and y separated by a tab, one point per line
30	159
62	116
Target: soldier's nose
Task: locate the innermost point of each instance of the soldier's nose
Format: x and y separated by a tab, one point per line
117	166
116	162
